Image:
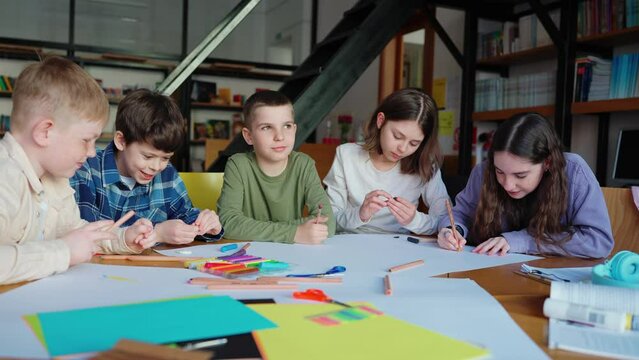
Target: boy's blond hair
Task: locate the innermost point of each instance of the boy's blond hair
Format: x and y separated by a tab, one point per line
57	88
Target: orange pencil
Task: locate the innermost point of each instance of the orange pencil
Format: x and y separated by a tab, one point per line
406	266
387	285
147	258
259	286
212	281
284	279
452	224
122	220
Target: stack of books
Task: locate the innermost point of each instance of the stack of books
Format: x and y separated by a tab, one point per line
625	70
593	319
592	78
515	92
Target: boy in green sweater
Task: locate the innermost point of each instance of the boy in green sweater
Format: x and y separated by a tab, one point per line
265	191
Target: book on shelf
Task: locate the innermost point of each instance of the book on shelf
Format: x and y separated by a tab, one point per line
593	319
592	78
515	92
623	81
602	16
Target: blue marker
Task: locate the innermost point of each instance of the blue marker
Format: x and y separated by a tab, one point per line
228	247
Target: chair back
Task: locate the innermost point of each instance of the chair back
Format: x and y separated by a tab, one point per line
624	218
204	188
323	154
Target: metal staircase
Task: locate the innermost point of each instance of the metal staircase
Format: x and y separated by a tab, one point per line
335	64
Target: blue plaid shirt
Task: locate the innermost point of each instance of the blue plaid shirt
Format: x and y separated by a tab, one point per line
101	194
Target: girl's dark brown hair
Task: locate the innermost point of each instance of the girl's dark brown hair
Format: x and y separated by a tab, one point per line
529	136
409	104
153	118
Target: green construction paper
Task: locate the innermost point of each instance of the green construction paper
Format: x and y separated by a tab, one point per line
174	320
34	324
376	337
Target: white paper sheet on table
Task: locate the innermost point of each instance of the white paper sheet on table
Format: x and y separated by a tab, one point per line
365	254
455	307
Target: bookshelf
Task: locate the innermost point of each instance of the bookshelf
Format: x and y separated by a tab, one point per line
594	121
498	115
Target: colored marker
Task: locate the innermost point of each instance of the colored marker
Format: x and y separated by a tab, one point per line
228	247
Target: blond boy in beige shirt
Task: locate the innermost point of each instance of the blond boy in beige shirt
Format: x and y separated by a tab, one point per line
58	114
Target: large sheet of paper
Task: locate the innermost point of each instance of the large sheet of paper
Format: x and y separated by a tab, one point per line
458	308
376	337
366	255
159	322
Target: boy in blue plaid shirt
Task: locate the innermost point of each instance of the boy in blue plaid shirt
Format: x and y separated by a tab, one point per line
133	173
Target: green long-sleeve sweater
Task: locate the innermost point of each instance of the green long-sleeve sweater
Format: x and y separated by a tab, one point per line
254	206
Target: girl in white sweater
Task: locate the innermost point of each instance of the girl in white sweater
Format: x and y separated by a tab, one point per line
376	187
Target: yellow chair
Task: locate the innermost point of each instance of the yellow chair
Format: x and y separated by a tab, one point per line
204	188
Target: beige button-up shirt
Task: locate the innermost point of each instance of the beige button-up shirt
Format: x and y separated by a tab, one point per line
34	214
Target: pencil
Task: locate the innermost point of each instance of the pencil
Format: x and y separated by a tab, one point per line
406	266
387	285
259	286
148	258
212	281
284	279
319	212
538	278
246	246
452	224
122	220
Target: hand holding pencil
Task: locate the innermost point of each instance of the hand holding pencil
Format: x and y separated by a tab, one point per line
450	239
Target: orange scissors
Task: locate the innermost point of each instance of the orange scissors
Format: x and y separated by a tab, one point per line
317	295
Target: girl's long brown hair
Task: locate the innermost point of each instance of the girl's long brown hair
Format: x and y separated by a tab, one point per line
529	136
409	104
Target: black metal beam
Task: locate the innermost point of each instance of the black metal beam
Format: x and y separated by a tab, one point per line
70	51
546	21
185	29
602	148
443	35
468	91
566	72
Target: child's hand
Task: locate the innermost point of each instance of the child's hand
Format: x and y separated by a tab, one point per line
208	222
176	232
446	239
311	233
493	246
140	235
403	210
83	242
373	203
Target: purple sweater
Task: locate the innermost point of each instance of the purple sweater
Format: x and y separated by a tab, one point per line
586	212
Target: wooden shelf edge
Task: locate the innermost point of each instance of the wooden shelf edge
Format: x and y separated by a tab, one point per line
528	55
496	115
603	106
200	105
610	35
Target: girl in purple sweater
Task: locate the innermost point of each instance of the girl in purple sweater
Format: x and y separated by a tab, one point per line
530	197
